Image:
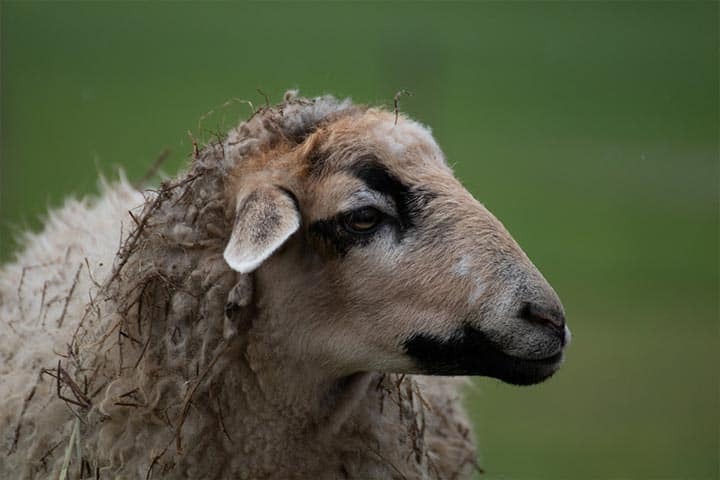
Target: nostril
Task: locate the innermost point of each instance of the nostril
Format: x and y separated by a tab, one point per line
534	313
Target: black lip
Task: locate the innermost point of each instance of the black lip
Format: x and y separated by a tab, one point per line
470	352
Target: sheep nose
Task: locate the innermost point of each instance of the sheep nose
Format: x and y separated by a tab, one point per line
545	316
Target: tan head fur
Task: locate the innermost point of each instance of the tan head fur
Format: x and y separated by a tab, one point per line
358	227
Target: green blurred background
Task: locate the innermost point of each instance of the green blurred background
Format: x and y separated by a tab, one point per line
589	128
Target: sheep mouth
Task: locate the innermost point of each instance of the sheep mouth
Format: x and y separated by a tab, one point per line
470	352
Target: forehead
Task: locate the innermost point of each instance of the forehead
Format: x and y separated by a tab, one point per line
371	153
405	147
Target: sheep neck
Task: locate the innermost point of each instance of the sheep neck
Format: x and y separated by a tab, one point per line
297	386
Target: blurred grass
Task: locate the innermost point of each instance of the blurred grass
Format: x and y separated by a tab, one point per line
589	128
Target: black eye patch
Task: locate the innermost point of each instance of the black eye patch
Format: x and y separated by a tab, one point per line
334	233
377	177
409	204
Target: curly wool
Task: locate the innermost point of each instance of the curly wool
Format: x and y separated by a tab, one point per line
132	346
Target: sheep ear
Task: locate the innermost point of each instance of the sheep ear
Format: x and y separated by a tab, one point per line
264	220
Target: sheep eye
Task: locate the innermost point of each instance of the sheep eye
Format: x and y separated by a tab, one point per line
363	220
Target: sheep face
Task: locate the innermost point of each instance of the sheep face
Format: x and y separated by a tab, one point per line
364	238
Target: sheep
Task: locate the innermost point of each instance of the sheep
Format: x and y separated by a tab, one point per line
302	302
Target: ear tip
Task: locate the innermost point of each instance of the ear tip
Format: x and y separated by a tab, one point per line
239	264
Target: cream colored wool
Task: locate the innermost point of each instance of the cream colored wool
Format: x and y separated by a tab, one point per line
163	384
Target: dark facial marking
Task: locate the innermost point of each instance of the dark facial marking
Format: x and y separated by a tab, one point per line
332	232
377	177
470	352
409	204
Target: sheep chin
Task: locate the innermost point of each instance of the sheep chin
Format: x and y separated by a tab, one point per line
470	352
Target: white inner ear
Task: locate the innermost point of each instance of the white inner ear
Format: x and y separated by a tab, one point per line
264	220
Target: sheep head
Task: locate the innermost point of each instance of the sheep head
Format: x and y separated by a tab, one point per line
358	234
